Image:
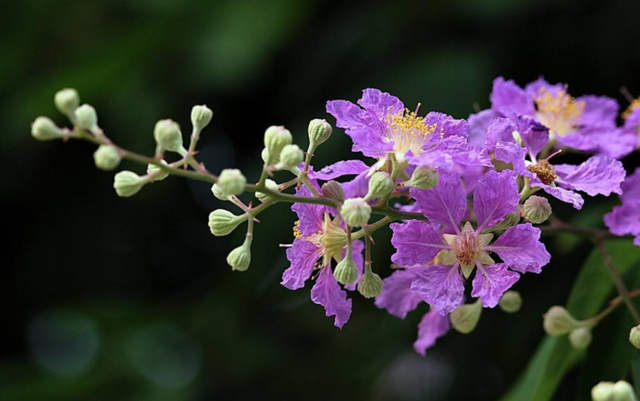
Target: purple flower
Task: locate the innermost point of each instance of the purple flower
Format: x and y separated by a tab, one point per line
625	218
432	326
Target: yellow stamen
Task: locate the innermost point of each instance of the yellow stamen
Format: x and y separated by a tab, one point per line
634	105
296	230
409	132
558	111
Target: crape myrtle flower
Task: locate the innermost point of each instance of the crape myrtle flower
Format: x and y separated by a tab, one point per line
625	218
459	250
587	123
380	125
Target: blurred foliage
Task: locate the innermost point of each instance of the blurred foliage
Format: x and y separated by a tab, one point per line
131	299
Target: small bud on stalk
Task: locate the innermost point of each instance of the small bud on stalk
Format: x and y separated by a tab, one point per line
128	183
156	173
87	118
580	338
43	129
231	181
290	157
346	271
510	302
168	136
558	321
222	222
275	138
622	391
634	337
380	185
106	157
319	132
465	318
334	191
536	209
355	212
370	284
602	391
240	258
423	177
67	101
219	193
200	117
269	184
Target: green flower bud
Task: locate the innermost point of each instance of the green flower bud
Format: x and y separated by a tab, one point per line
270	184
580	338
334	191
290	157
622	391
219	193
223	222
380	185
370	284
276	138
602	391
423	177
231	181
240	258
128	183
634	336
106	157
510	302
167	135
319	132
536	209
346	271
156	173
67	101
43	129
355	212
465	318
510	220
86	117
558	321
201	117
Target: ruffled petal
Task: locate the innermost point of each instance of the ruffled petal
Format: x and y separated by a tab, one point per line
608	141
562	194
447	125
432	326
380	104
396	296
511	152
496	195
598	111
440	286
520	248
339	169
599	175
491	282
444	204
624	219
327	292
631	186
509	99
303	256
310	215
478	126
416	243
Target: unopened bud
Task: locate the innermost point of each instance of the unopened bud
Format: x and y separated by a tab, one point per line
558	321
346	272
86	117
536	209
580	338
128	183
156	173
319	132
67	101
380	185
240	258
106	157
167	135
634	337
43	129
201	117
290	157
370	284
222	222
355	212
510	220
622	391
602	391
423	177
231	181
465	318
269	184
275	138
510	302
334	191
219	193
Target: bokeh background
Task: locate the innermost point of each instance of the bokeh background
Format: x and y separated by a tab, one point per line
131	299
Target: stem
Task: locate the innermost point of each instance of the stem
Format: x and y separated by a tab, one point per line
613	305
370	228
557	226
367	254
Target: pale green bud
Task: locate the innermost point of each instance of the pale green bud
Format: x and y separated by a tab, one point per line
510	302
86	117
580	338
219	193
510	220
156	173
266	158
380	185
240	258
319	132
43	129
231	181
201	117
270	184
346	271
167	135
128	183
106	157
622	391
603	391
634	336
333	190
558	321
67	101
290	157
276	138
355	212
370	284
465	318
536	209
423	177
223	222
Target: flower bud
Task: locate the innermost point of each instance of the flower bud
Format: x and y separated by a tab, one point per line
536	209
580	338
106	157
67	101
270	184
355	212
380	185
510	302
370	284
219	193
602	391
319	132
231	181
510	220
465	318
128	183
334	191
222	222
290	157
634	336
558	321
275	138
622	391
43	129
201	117
240	258
167	135
423	177
346	271
156	173
86	117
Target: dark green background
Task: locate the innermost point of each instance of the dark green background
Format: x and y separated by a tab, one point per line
131	299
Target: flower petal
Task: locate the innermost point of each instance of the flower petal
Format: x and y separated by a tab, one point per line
491	282
339	169
303	256
327	292
478	126
631	186
440	286
564	195
496	195
599	175
416	243
432	326
310	215
444	204
520	248
509	99
379	103
396	296
624	219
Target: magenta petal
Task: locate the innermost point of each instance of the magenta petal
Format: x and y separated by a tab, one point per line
396	296
509	99
478	126
599	175
624	219
564	195
416	243
598	111
303	256
520	248
608	141
432	326
631	186
327	292
510	152
500	129
380	103
445	204
447	125
339	169
491	282
496	195
440	286
309	215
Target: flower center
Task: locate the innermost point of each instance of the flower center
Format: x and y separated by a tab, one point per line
467	248
558	111
408	131
544	171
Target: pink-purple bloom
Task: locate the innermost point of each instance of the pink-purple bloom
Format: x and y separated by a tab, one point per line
625	218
